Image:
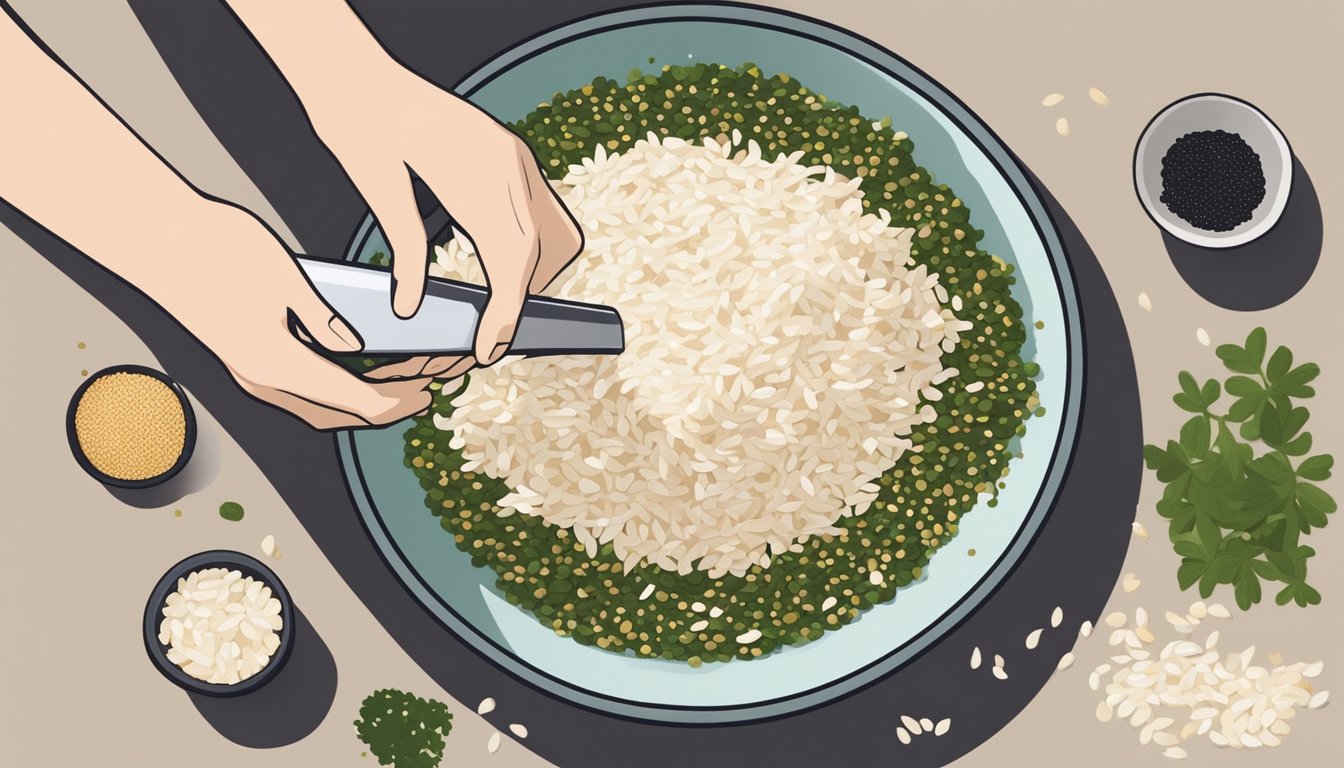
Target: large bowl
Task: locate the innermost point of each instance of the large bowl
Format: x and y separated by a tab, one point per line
1211	112
963	153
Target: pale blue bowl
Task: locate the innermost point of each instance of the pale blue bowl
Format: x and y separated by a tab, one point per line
963	153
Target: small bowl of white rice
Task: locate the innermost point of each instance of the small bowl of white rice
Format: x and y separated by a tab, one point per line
219	623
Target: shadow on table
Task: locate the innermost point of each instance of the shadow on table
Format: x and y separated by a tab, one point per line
199	473
1264	273
287	708
1073	563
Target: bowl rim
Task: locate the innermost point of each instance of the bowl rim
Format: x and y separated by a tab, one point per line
1197	237
188	439
1023	185
250	566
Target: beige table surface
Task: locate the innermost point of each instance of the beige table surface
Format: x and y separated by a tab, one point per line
76	563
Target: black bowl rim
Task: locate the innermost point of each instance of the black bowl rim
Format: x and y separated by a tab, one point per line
250	566
188	441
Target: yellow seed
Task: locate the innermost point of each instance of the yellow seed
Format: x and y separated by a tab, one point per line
130	426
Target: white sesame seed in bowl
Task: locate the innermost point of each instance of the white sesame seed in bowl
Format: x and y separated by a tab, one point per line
219	623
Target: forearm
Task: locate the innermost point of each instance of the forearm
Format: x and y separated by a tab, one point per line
70	165
321	47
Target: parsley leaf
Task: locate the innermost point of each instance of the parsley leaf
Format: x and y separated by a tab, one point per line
1238	496
403	729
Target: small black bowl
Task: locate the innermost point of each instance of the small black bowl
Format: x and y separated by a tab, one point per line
188	442
218	558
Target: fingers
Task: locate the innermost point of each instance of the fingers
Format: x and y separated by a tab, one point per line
449	367
515	268
316	416
402	369
297	374
559	232
498	218
522	233
423	365
393	204
509	262
319	323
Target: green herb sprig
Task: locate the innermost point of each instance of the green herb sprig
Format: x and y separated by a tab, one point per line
403	729
1236	515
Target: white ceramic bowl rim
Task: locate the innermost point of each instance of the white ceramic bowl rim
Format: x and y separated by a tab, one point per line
1266	218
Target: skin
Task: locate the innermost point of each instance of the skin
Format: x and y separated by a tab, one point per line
380	120
73	167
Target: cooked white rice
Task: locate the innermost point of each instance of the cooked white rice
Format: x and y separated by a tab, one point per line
221	626
778	347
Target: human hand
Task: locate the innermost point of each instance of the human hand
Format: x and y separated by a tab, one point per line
381	121
75	169
257	312
483	174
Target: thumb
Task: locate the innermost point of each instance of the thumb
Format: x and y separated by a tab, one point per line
508	277
394	207
495	332
328	329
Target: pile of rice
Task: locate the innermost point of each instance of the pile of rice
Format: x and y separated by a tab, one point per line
779	345
221	626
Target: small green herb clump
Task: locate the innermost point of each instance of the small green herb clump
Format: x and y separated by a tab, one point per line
231	510
403	729
1237	517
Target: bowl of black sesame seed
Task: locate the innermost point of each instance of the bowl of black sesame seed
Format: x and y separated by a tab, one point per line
1213	171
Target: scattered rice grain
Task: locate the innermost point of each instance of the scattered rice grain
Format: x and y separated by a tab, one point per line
525	420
